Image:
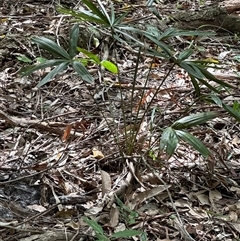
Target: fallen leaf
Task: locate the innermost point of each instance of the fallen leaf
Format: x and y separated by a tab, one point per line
67	132
204	199
233	216
73	225
65	213
143	196
97	154
106	182
214	196
114	217
38	208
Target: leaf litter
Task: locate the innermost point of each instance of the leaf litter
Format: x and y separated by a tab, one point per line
59	161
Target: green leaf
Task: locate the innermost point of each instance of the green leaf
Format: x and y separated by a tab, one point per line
90	55
209	76
193	120
143	236
157	53
195	85
88	16
112	15
105	13
169	140
216	100
110	66
204	82
194	142
195	71
120	30
101	237
122	205
173	32
42	60
201	73
52	74
51	47
94	225
120	18
85	62
166	34
73	40
82	71
232	112
84	15
49	63
236	106
185	54
24	59
191	69
126	233
96	11
166	48
97	229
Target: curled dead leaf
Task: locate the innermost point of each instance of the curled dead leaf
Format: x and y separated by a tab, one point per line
67	132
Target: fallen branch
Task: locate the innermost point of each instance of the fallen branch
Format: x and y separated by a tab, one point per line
51	127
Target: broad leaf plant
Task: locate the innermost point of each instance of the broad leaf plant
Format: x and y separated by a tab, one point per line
122	31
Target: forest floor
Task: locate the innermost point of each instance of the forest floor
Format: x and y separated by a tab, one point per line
59	161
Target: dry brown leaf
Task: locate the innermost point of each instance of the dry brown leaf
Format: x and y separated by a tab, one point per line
38	208
191	229
82	124
198	213
233	216
92	210
134	171
106	182
39	166
183	203
203	199
143	196
97	154
214	196
67	132
65	213
73	225
236	141
114	217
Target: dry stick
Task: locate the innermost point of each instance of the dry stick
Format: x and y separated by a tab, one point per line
22	229
38	124
37	215
183	231
57	29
